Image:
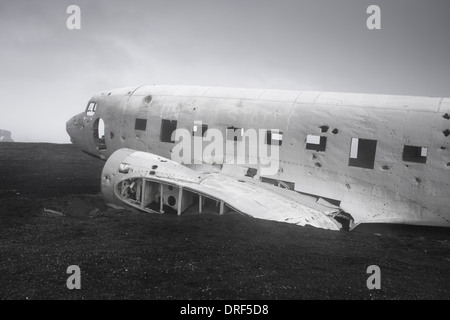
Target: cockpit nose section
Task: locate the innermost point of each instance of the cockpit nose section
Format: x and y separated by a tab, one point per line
88	134
74	129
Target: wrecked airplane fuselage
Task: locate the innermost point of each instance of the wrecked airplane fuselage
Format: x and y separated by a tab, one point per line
382	159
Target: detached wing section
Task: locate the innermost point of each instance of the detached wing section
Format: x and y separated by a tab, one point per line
155	184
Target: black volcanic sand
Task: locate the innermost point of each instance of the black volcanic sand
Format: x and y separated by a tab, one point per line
125	254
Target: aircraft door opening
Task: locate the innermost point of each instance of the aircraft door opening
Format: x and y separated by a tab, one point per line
99	134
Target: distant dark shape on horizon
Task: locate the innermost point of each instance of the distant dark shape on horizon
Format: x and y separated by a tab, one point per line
5	136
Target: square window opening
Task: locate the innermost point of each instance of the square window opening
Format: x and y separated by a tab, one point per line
196	127
274	137
316	143
415	154
362	153
140	124
235	134
167	129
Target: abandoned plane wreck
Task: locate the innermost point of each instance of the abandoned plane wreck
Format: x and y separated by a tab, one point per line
310	158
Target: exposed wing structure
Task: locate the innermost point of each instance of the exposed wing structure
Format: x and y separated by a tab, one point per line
155	184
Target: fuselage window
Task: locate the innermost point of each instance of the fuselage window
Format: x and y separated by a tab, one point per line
234	133
362	153
167	128
274	137
316	143
196	128
140	124
415	154
90	110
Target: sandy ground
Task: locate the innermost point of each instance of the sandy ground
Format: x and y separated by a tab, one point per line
130	255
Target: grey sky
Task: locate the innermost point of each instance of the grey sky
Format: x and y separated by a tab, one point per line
48	73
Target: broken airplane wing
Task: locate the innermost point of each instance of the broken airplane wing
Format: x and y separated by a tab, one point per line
152	181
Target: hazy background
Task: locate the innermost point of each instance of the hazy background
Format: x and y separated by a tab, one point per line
48	73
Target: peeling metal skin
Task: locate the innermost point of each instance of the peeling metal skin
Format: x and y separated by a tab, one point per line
392	186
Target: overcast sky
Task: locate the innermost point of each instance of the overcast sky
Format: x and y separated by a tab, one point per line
48	73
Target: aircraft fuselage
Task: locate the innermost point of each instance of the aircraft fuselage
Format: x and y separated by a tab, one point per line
385	158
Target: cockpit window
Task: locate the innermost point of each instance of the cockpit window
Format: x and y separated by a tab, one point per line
90	111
